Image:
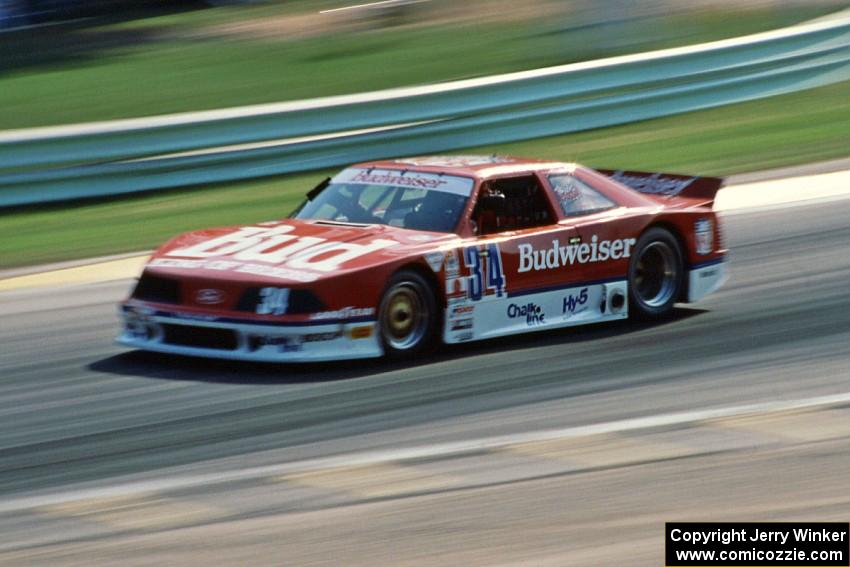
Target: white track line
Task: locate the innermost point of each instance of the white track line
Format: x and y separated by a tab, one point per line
436	450
780	193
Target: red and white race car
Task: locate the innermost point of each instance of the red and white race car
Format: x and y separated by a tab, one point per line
388	257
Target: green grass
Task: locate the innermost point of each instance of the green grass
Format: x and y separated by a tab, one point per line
164	64
791	129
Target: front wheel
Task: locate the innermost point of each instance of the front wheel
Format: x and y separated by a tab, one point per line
407	315
655	274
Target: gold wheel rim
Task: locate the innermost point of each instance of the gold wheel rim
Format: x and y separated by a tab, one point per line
404	318
401	311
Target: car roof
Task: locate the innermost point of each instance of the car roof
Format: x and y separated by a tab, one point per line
478	166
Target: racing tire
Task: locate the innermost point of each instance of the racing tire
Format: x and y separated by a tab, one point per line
407	316
656	272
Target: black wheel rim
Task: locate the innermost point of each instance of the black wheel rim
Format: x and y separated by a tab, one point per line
656	274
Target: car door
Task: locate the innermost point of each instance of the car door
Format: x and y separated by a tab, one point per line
497	280
598	259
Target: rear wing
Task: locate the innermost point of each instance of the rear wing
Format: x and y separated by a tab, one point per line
703	189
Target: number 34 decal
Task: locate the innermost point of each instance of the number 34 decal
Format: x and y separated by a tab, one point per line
486	276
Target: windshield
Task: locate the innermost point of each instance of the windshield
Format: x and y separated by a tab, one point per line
413	200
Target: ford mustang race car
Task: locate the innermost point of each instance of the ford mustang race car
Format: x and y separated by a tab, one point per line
390	257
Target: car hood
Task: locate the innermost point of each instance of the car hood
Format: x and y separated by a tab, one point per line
289	250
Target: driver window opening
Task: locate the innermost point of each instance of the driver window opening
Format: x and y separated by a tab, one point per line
578	198
508	204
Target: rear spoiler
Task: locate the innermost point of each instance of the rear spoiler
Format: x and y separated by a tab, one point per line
703	189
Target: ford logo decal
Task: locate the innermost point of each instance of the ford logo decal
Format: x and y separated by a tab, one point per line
209	296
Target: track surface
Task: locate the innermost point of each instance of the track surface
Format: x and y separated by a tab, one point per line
76	411
610	517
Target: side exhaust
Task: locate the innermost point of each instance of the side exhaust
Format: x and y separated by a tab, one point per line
614	300
618	301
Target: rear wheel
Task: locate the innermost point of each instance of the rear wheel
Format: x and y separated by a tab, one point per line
655	274
407	316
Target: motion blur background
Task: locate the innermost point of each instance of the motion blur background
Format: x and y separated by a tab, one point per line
128	458
66	62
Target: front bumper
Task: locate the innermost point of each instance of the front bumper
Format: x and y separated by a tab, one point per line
234	339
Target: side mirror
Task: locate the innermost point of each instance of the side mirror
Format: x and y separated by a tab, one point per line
314	192
492	202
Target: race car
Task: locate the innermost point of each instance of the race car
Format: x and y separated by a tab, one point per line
392	257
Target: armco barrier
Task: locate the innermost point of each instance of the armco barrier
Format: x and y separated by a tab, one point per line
99	159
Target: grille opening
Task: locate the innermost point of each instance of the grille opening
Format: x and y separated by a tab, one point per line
199	337
157	289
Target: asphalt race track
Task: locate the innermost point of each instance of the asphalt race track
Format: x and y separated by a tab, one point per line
78	413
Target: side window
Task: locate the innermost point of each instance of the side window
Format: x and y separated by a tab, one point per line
512	203
578	198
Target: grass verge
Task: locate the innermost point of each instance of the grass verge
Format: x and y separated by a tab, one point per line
91	70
